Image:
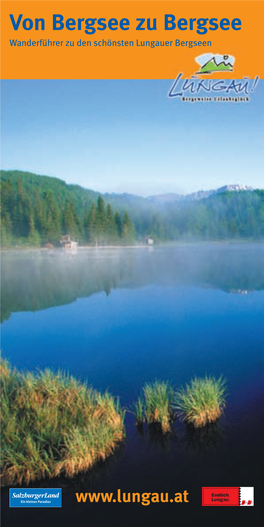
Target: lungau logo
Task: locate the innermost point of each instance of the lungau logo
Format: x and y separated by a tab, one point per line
210	63
197	89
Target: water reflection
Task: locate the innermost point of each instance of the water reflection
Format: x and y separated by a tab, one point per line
203	440
157	439
37	280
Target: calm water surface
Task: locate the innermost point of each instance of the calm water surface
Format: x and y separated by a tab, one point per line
119	318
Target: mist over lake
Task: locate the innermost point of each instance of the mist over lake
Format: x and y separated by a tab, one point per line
122	317
113	316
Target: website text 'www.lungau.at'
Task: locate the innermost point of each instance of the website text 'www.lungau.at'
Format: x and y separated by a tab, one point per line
145	498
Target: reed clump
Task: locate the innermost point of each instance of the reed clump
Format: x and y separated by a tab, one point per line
155	406
201	401
54	425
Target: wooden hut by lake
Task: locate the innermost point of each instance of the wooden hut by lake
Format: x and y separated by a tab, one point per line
67	243
149	240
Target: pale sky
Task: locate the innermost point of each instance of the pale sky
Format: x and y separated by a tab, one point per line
128	136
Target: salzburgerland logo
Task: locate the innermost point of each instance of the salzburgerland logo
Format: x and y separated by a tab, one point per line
196	89
35	497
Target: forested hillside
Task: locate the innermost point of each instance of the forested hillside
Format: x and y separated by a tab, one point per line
36	210
39	209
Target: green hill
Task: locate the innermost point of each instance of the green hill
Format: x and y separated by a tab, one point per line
212	66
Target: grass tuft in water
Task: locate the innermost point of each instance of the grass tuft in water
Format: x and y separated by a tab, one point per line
156	405
54	425
139	411
201	401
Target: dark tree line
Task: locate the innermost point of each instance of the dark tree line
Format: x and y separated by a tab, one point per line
37	219
39	209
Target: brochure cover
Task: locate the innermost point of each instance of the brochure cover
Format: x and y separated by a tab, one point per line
132	262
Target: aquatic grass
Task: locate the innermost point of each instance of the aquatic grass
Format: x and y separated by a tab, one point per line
4	368
54	425
201	401
139	411
156	405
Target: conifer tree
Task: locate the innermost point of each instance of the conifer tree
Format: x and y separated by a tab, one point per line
52	223
111	229
33	237
100	220
128	233
118	224
68	219
91	230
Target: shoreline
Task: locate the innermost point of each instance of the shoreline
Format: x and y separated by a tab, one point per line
176	243
70	251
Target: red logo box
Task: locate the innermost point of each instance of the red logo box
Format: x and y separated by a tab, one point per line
220	496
